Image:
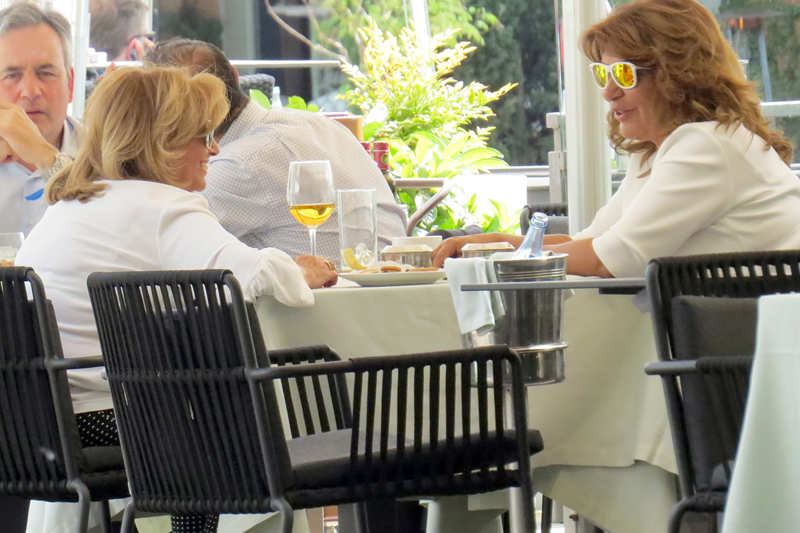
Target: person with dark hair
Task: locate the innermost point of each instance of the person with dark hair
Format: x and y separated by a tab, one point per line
247	180
706	173
36	136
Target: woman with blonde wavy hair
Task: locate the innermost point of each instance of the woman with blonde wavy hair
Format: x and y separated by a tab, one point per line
706	173
126	203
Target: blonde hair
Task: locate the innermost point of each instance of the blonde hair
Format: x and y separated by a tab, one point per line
137	123
697	74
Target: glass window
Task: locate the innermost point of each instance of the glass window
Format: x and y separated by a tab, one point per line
516	44
766	36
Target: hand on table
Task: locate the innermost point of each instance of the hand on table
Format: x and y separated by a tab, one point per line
449	248
452	247
319	272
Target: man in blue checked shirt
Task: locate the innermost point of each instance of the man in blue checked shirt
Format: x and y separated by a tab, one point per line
36	136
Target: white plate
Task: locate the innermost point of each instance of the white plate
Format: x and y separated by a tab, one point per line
383	279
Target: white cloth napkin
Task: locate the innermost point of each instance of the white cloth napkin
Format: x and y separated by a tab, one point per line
475	310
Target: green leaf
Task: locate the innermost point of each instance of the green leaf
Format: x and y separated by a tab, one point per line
476	154
455	146
260	98
424	143
444	218
313	108
371	130
472	204
296	102
492	224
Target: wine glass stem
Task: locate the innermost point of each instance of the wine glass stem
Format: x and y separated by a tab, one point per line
312	235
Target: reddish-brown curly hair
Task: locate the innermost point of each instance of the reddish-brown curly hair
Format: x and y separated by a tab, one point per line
697	74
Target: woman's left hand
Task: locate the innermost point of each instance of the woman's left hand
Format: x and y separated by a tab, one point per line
318	271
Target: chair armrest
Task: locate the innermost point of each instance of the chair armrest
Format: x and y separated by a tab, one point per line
380	362
699	365
304	354
74	363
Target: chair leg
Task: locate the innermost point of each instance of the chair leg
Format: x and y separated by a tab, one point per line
105	517
84	501
128	516
675	517
521	513
360	517
547	513
287	513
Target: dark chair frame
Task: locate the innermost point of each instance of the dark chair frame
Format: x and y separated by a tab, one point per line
131	310
731	275
40	452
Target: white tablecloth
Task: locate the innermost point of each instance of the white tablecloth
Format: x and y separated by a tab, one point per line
765	488
606	413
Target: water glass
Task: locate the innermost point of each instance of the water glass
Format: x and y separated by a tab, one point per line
10	243
358	228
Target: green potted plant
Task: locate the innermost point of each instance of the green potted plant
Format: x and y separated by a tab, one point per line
436	125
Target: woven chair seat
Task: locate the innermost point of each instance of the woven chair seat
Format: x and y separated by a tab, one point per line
323	459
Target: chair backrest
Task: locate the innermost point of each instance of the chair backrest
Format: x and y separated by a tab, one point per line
704	307
176	345
733	275
260	81
558	217
35	408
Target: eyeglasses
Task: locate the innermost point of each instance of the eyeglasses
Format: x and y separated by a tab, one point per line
209	139
624	74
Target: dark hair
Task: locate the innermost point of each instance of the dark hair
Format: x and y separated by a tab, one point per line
201	56
697	73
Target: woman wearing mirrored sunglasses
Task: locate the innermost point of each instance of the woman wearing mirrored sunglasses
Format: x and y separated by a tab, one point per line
706	173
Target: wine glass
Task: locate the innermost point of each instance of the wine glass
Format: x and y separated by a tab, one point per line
310	195
10	243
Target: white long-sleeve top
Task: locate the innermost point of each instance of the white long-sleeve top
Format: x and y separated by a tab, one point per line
139	225
710	189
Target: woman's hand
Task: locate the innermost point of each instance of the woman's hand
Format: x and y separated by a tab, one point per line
452	247
318	271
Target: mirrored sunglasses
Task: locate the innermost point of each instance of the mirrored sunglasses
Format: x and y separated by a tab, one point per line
624	74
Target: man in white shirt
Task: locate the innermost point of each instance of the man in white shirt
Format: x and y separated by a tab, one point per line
246	182
36	84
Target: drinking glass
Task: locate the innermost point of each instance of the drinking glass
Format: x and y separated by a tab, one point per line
10	243
310	195
358	229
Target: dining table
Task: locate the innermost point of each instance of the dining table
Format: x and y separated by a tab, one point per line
607	448
765	485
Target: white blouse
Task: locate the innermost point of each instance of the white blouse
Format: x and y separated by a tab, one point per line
139	225
711	189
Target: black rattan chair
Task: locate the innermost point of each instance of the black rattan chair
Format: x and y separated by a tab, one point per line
704	312
205	430
259	81
40	453
557	212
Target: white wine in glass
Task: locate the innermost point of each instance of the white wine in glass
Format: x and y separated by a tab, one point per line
310	195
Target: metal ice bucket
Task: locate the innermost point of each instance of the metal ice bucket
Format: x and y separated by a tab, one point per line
533	318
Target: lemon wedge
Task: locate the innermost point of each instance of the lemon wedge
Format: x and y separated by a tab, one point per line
350	259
